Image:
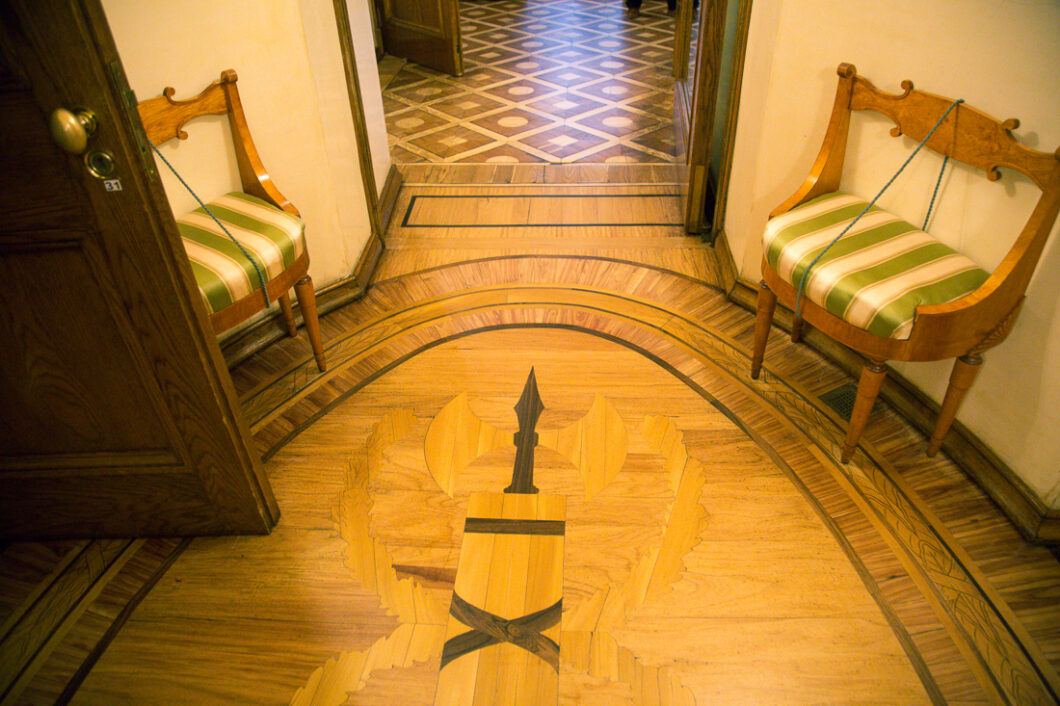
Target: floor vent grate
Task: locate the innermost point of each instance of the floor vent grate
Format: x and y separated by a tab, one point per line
841	399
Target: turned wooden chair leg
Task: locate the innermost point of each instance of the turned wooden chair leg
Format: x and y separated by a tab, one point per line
307	300
288	313
965	369
767	303
872	376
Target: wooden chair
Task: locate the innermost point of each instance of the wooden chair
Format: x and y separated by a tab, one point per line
264	222
885	306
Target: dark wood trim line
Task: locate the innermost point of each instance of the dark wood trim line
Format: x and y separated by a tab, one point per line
406	220
1034	520
119	622
503	526
388	198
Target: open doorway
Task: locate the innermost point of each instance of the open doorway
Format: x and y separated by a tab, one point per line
544	81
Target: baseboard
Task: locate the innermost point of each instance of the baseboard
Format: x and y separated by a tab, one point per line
726	262
373	250
263	333
1035	521
270	329
388	198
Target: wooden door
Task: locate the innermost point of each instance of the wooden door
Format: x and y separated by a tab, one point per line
426	32
117	417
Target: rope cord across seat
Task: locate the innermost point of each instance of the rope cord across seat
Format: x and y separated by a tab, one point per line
206	209
806	273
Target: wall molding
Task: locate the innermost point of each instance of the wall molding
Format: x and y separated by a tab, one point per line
1029	513
388	197
369	260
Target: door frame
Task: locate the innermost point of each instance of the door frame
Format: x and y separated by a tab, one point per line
380	202
698	130
743	23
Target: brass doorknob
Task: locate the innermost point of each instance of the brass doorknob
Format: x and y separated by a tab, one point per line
71	130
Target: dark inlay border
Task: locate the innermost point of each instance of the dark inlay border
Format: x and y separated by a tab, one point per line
489	629
70	690
412	203
503	526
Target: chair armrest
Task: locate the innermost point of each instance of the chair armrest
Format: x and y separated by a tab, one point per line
978	315
256	181
828	169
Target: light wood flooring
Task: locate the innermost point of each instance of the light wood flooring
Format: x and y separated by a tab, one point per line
703	541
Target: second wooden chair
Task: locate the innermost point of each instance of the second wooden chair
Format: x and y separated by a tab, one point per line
267	226
886	288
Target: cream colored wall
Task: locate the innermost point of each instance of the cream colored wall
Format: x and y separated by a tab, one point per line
1001	57
293	89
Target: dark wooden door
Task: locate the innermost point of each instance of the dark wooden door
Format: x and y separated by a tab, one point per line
117	417
426	32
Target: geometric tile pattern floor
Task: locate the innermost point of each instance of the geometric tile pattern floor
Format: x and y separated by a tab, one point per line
556	81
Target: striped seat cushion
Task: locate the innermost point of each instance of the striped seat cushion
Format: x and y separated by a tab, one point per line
274	238
876	275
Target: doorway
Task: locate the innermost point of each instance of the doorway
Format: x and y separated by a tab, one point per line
546	82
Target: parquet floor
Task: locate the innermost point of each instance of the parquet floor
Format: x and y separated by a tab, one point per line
545	81
704	542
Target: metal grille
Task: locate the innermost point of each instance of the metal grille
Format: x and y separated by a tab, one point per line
841	399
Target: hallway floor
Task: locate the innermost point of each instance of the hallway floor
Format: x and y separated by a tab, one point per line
552	81
695	539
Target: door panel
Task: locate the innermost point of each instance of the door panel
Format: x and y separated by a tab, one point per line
67	376
117	416
426	32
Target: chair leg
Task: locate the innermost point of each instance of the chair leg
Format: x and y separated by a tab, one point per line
796	329
965	369
307	300
767	303
288	314
872	376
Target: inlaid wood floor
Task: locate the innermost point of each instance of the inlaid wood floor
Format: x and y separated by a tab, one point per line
695	528
545	81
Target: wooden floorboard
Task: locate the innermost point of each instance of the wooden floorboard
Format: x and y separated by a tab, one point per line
715	551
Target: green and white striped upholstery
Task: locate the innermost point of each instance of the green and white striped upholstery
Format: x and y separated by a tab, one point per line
274	238
876	275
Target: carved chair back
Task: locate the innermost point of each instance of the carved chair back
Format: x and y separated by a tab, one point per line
164	119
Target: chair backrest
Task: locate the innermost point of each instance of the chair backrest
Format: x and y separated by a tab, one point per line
164	118
966	134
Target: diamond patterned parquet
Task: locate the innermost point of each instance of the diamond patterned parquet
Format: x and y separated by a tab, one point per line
560	81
